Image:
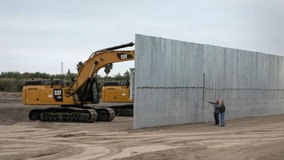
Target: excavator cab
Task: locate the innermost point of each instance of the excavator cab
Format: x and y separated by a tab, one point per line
89	93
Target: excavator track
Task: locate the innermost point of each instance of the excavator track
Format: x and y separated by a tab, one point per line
105	114
123	110
72	114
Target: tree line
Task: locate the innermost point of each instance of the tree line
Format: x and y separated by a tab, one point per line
14	81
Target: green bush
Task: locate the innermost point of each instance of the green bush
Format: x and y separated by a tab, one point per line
11	85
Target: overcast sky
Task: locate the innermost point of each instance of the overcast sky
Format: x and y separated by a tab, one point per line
38	35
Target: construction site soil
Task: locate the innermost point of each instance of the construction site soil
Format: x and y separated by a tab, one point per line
248	138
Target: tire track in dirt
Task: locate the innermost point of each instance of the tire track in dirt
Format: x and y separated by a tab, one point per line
37	143
236	144
39	150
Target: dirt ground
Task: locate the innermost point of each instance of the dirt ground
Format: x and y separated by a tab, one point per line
248	138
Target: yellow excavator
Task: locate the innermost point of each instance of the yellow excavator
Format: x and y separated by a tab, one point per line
75	99
119	95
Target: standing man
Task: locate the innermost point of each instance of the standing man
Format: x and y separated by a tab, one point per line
222	113
216	106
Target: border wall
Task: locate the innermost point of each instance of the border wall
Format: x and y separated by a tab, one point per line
175	79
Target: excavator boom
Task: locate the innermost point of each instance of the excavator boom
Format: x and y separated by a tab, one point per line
98	60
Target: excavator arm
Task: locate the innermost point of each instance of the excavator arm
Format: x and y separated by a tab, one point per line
96	61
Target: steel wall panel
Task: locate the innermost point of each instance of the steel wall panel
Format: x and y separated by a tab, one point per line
174	80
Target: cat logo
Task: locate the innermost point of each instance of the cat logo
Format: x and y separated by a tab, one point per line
124	56
57	94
